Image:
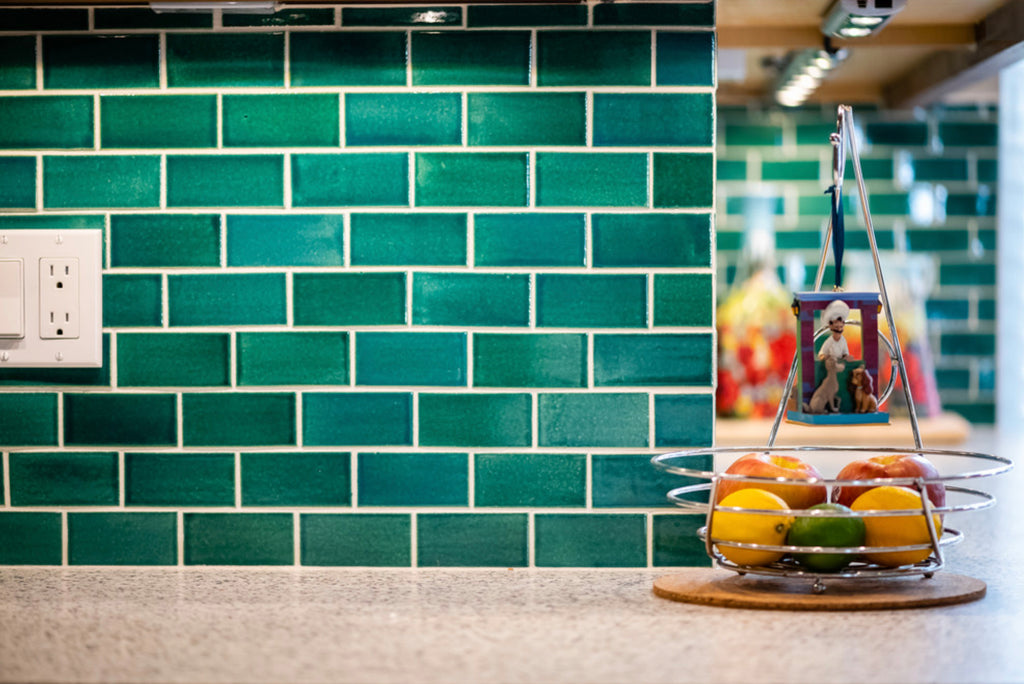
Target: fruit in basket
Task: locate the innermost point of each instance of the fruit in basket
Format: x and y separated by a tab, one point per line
751	528
826	530
776	466
900	530
884	466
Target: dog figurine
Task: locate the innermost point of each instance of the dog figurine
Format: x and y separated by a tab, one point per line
825	399
861	389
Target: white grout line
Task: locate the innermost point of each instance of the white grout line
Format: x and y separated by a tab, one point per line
238	479
96	131
64	538
120	480
296	540
162	65
180	527
414	540
6	465
39	63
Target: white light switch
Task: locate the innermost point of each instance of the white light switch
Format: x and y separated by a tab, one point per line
12	298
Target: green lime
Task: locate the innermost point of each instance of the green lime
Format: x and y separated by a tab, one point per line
826	530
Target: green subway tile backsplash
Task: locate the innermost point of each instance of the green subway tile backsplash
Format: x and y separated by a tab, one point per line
382	286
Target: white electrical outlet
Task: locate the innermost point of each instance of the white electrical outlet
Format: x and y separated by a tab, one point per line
54	276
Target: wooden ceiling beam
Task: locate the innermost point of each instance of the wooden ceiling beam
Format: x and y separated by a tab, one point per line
795	37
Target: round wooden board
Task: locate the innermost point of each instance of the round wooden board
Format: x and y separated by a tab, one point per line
715	588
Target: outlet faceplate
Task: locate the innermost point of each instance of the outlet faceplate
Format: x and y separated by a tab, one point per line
62	306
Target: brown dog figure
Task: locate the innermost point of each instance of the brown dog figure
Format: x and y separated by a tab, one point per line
861	391
824	399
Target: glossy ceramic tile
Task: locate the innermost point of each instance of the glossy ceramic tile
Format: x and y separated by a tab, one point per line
243	419
115	61
225	59
988	170
403	119
422	17
893	133
117	181
644	240
591	301
685	58
510	360
630	481
32	19
270	120
653	360
534	480
122	539
172	360
470	58
684	421
592	541
487	16
529	240
348	59
349	298
790	170
145	18
652	119
63	479
18	62
350	179
158	121
227	299
470	299
595	419
244	180
683	299
932	240
296	479
306	16
676	542
351	418
411	359
472	540
418	239
447	179
153	240
964	344
120	419
238	539
17	183
585	58
374	539
292	358
579	179
399	479
179	479
474	420
655	14
30	538
286	240
132	300
527	118
683	180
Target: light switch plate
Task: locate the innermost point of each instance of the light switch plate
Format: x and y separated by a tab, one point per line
62	274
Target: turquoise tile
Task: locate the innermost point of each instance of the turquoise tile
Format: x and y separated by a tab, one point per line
969	204
593	58
356	418
968	344
31	19
225	59
424	17
933	240
953	378
880	133
17	62
403	119
683	299
347	59
30	538
676	542
249	180
270	120
566	540
155	479
484	16
987	309
790	170
63	479
349	298
653	360
644	240
969	134
101	181
470	299
803	239
946	309
173	360
239	539
471	179
591	301
873	169
471	58
363	179
62	220
296	479
306	16
158	121
239	419
30	419
361	540
988	170
570	179
164	240
753	135
975	412
555	360
655	14
122	539
132	300
766	204
817	134
96	377
630	481
286	240
685	420
120	420
683	180
409	359
940	169
533	480
125	61
227	299
145	18
730	241
987	237
408	239
526	118
398	479
593	420
292	358
17	183
475	420
653	119
731	169
685	58
472	540
529	240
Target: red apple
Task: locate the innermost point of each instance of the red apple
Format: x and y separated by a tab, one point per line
797	496
888	465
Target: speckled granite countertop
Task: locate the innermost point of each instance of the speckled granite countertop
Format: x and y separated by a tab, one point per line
301	625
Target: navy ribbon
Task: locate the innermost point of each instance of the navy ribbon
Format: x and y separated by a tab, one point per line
838	230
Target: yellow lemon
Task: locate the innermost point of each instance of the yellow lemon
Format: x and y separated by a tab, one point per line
751	528
899	530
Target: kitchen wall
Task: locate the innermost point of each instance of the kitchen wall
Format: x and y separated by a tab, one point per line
931	181
384	286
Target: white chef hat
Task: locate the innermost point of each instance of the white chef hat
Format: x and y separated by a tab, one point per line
835	309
